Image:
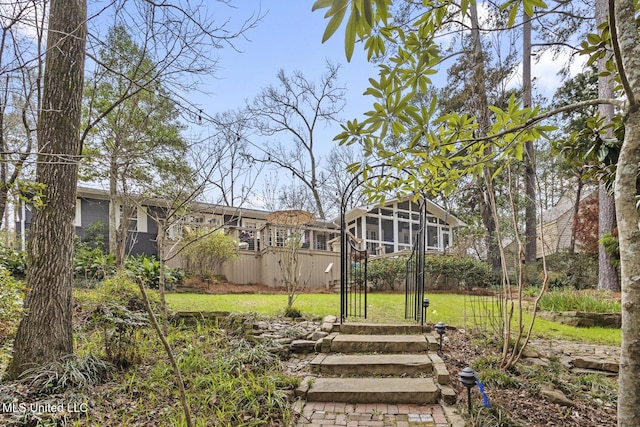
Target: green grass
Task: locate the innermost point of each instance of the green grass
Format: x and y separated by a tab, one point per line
382	308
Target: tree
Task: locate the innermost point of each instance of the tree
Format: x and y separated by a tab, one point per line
138	139
607	273
294	109
45	334
237	172
177	31
626	46
21	68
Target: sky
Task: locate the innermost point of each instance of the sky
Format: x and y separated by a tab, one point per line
289	37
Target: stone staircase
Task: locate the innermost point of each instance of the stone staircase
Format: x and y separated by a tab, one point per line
373	363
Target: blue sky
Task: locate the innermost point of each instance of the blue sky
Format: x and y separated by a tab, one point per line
290	38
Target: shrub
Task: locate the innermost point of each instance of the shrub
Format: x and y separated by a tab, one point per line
119	315
292	312
386	273
14	261
11	299
92	265
206	251
579	271
465	272
146	269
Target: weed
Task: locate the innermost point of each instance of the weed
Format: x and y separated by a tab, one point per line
292	312
498	378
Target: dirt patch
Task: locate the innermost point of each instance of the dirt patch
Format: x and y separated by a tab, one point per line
520	402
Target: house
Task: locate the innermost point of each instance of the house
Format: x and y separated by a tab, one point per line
392	227
263	237
558	223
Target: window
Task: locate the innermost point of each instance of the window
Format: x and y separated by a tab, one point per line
214	222
372	235
132	218
432	236
445	240
320	241
281	236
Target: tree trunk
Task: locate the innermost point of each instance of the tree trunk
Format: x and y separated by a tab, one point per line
45	331
627	215
530	252
607	273
480	104
629	234
576	211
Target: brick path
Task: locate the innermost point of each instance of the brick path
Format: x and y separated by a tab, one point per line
327	414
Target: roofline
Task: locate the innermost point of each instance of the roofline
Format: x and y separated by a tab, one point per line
449	217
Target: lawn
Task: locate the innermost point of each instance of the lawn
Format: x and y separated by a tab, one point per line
452	309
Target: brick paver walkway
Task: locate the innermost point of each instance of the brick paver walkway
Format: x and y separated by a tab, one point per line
327	414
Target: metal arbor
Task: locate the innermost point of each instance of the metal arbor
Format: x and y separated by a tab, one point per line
354	259
414	280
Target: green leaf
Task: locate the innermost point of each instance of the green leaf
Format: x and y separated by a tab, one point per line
513	13
333	25
321	4
368	12
350	36
593	38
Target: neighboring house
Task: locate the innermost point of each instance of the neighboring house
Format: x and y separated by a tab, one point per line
263	239
558	223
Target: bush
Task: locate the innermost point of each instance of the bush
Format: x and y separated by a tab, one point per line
120	314
14	261
11	299
465	272
146	269
386	273
206	251
579	271
92	265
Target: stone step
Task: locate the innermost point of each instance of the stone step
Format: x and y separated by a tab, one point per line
383	329
372	364
373	390
353	343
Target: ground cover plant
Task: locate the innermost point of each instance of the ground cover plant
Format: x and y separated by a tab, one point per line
568	299
120	374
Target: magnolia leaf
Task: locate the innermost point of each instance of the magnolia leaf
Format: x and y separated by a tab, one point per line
333	25
321	4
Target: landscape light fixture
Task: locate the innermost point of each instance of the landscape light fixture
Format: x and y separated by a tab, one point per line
468	379
425	306
440	328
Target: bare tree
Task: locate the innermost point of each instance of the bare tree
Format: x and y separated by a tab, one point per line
237	171
294	110
21	68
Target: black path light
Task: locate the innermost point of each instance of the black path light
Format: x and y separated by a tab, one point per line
425	306
468	379
440	328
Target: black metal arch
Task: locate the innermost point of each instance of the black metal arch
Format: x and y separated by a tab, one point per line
353	263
